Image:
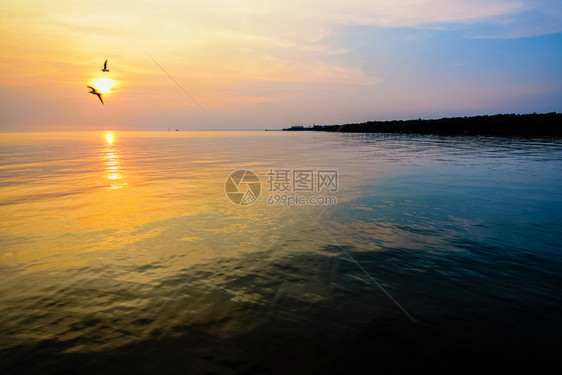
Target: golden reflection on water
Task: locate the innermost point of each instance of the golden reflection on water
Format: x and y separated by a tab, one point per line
125	199
109	137
112	162
102	220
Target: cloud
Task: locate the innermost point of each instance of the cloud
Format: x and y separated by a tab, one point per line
533	21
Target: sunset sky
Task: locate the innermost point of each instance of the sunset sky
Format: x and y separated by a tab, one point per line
255	64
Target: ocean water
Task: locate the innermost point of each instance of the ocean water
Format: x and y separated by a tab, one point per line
120	252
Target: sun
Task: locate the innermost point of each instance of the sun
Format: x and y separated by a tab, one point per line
103	85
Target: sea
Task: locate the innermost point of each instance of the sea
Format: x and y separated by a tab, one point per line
271	252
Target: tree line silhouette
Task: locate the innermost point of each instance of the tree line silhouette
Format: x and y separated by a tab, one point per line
500	125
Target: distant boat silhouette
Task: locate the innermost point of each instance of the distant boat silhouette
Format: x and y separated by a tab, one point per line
105	67
95	93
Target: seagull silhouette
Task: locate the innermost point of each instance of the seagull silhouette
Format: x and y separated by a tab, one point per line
95	93
105	67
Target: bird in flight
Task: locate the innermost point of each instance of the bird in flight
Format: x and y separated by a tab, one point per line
105	67
95	93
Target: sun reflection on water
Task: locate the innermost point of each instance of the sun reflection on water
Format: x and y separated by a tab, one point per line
109	137
112	163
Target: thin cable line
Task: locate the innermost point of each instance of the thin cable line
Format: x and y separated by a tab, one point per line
229	239
349	256
380	88
215	122
363	270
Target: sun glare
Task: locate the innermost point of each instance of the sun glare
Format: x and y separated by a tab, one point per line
109	138
103	85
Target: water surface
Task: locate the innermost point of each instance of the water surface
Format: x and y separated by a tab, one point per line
120	252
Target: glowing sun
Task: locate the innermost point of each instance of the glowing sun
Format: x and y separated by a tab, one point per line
103	85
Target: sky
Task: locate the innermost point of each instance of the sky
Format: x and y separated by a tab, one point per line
257	64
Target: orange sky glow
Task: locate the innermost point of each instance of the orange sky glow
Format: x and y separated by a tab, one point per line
256	64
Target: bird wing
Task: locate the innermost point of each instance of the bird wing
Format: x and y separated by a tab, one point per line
101	100
90	87
105	64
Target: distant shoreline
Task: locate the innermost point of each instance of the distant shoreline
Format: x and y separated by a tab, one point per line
500	125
